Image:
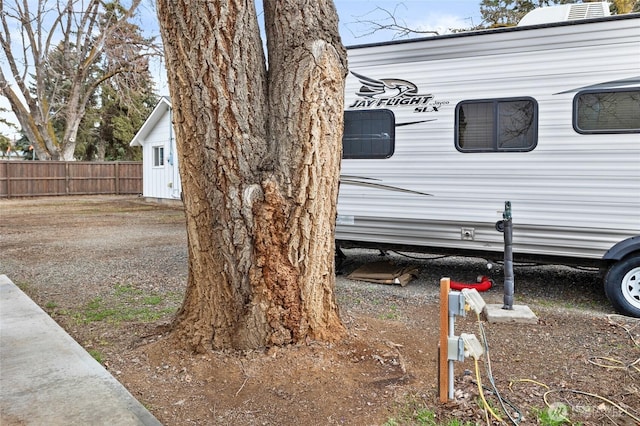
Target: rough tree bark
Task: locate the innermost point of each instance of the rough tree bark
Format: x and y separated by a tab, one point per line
259	155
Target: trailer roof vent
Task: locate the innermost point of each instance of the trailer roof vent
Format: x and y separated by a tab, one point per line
565	12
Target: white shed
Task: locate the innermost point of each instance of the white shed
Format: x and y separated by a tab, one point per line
160	178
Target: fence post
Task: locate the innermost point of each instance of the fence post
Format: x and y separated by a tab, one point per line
66	178
8	179
117	177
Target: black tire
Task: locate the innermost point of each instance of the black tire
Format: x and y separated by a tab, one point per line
622	285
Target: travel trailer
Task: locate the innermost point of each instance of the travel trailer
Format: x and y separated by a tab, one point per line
441	132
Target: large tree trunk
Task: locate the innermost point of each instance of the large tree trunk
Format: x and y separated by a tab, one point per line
259	156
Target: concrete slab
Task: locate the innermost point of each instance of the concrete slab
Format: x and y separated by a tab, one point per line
519	314
47	378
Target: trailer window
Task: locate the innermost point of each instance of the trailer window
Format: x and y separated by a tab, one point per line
608	111
368	134
495	125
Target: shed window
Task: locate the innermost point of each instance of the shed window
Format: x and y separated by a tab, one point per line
368	134
158	156
609	111
497	125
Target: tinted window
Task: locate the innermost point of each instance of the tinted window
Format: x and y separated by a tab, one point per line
368	134
607	111
496	125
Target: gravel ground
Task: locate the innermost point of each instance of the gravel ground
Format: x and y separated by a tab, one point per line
547	285
78	256
125	239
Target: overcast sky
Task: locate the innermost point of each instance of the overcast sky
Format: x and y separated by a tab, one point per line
427	15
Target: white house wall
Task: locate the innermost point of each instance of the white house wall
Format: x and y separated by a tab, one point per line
162	181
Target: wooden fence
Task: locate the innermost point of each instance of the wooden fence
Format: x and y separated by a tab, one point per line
42	178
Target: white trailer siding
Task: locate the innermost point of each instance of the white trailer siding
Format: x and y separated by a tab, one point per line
574	195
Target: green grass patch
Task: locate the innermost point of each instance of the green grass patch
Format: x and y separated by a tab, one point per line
153	300
126	289
50	306
413	411
555	415
392	313
127	303
96	355
22	285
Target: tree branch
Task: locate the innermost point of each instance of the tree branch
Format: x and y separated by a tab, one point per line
390	22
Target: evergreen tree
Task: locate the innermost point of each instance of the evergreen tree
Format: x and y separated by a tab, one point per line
66	51
505	13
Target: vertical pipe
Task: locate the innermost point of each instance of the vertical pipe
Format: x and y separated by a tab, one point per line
451	386
509	281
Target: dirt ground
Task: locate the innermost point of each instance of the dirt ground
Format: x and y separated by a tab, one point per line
112	270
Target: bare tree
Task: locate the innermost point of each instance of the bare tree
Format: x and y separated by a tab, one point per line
495	13
381	19
259	155
57	62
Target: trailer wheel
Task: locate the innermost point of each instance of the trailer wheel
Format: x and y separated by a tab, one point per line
622	285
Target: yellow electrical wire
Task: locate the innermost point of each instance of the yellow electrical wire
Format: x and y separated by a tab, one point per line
486	417
527	381
615	364
484	401
480	390
502	401
605	362
593	395
628	330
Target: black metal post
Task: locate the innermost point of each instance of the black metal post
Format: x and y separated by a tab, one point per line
509	282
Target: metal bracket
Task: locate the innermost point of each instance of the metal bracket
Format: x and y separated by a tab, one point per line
455	348
456	304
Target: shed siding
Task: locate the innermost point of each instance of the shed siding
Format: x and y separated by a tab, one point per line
162	181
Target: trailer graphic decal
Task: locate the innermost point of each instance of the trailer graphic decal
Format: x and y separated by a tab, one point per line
375	183
615	84
392	92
